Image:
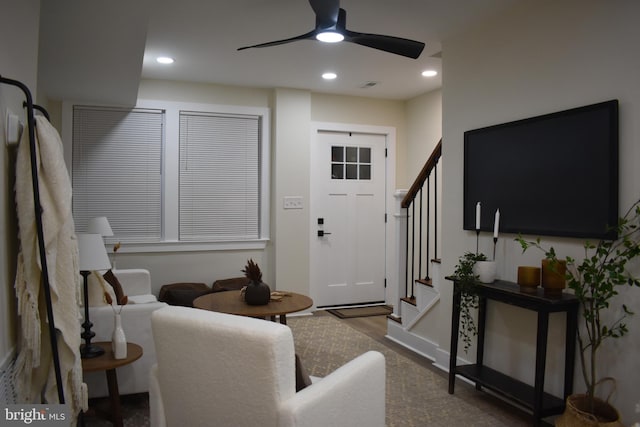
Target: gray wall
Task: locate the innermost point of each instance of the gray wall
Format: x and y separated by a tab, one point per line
19	61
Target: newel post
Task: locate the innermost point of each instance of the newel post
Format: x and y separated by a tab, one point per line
398	285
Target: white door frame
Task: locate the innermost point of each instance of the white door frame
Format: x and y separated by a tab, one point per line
390	188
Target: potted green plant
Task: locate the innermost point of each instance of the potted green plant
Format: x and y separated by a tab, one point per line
595	281
466	278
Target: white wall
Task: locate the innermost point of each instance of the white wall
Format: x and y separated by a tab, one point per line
539	58
19	57
290	162
424	130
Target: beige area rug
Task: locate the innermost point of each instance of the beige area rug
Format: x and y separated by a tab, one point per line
416	395
349	313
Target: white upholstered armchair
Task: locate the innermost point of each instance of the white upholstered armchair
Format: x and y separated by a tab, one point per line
224	370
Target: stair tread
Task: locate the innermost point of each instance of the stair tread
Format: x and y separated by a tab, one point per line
426	282
408	300
394	318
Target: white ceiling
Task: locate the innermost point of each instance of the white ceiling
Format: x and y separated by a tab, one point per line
98	51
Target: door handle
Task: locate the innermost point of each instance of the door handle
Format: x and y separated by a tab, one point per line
322	233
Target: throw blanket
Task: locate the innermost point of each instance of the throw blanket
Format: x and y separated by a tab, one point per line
35	373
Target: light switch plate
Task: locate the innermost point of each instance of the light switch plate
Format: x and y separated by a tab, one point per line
13	128
293	202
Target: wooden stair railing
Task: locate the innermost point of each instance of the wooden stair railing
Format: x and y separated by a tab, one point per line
428	177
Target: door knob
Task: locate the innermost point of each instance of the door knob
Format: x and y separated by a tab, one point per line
322	233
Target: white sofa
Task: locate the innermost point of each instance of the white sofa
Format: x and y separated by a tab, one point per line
136	322
223	370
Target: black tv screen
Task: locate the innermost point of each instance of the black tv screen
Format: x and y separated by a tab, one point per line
552	175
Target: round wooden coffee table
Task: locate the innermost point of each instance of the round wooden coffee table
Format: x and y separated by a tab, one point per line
106	362
231	302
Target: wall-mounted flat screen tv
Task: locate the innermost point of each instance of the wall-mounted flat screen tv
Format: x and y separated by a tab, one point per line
552	175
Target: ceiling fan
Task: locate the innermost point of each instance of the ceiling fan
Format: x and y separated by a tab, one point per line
331	27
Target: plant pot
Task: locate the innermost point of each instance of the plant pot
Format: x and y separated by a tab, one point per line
528	278
257	293
485	271
578	414
553	276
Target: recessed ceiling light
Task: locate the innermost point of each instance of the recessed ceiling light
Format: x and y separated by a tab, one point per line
329	76
430	73
165	60
330	37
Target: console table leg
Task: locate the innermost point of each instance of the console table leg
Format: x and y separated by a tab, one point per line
570	350
541	359
455	328
482	320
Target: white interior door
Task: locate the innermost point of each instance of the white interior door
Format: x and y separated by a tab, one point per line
347	209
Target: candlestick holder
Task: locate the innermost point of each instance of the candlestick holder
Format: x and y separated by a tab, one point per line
495	241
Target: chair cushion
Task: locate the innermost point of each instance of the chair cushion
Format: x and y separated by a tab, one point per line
97	287
182	294
117	287
233	284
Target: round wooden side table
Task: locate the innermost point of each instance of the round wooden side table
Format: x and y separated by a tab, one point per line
107	363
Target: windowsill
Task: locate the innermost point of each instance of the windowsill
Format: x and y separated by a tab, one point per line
175	246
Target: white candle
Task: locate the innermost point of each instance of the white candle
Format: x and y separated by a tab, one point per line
496	224
478	216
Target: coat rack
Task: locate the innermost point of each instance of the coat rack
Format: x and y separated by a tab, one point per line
40	232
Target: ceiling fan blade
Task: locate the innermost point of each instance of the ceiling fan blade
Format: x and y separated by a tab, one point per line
326	12
307	36
397	45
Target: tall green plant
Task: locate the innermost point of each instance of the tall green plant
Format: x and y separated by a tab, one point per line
595	281
465	285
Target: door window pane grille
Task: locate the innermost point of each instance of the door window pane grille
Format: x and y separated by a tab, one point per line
352	163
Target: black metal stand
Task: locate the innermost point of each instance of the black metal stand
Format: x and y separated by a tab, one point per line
88	351
31	125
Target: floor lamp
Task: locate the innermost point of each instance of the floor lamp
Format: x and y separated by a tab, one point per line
93	256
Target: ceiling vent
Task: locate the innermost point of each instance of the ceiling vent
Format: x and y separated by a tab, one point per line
367	85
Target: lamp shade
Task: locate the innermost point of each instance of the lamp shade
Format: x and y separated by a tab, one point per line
92	253
99	225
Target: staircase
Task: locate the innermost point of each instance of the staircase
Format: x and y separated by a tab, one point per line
418	277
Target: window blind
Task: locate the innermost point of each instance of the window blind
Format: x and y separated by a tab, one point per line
219	177
117	158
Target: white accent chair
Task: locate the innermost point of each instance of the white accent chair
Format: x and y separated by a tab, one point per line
218	369
136	322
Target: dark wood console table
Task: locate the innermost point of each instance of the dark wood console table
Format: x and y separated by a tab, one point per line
532	397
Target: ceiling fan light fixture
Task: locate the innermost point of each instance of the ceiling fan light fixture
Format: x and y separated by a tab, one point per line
330	37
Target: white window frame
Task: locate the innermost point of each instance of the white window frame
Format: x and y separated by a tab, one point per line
170	185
